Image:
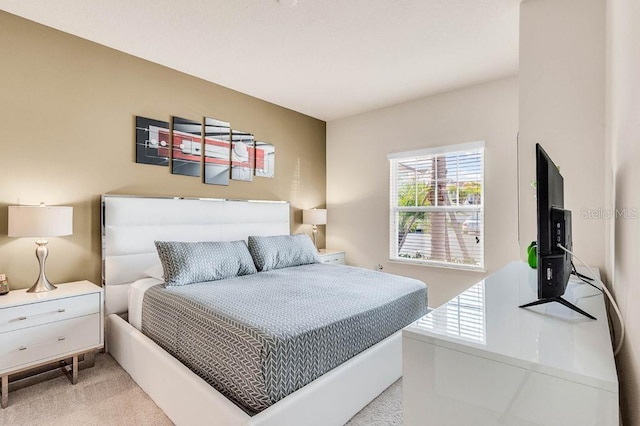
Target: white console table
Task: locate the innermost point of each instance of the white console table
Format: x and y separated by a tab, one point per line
481	360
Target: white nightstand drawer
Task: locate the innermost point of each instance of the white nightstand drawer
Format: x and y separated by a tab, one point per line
333	257
52	340
33	314
336	259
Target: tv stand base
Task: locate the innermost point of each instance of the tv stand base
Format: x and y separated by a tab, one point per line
559	300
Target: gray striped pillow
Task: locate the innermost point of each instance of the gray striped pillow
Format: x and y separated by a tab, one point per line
186	263
282	251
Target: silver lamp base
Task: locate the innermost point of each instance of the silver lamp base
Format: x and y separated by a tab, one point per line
42	284
315	235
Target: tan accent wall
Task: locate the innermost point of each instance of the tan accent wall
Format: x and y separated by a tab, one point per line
67	115
358	176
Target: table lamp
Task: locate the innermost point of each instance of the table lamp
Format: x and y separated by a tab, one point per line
314	217
40	221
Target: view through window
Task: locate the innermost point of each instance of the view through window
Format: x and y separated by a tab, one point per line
437	214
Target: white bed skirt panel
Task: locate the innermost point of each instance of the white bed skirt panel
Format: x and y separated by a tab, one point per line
186	399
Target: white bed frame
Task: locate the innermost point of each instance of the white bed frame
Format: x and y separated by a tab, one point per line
130	224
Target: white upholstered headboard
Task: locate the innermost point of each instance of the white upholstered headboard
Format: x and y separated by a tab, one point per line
131	224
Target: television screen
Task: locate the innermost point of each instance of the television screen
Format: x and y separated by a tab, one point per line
554	227
554	230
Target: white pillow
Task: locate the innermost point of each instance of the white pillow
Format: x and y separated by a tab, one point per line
155	272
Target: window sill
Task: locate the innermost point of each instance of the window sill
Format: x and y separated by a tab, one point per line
434	264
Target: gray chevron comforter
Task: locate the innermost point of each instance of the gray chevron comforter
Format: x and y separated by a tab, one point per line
257	338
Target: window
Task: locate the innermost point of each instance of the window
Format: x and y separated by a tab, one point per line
437	214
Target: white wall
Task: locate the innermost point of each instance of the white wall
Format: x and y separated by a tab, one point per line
580	97
623	141
562	107
358	176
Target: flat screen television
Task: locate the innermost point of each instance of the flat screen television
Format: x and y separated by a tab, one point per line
554	229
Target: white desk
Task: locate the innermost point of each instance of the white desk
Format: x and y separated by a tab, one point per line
481	360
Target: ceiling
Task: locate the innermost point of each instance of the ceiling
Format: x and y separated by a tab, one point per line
325	58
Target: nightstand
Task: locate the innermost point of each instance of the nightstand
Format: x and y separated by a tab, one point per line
334	257
41	328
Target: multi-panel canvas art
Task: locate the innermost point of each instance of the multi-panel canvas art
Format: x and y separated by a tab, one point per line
186	147
152	141
217	151
265	159
242	155
227	153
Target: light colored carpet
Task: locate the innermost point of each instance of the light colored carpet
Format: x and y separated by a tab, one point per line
106	395
385	410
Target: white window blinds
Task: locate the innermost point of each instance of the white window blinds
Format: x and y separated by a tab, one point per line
436	212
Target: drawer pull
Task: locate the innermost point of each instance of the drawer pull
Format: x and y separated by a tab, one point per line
61	338
22	348
59	311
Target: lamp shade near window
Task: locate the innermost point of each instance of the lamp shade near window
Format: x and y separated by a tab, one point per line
40	222
314	217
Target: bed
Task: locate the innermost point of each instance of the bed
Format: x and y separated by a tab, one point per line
132	224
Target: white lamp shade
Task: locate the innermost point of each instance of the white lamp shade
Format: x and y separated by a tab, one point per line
40	221
314	217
